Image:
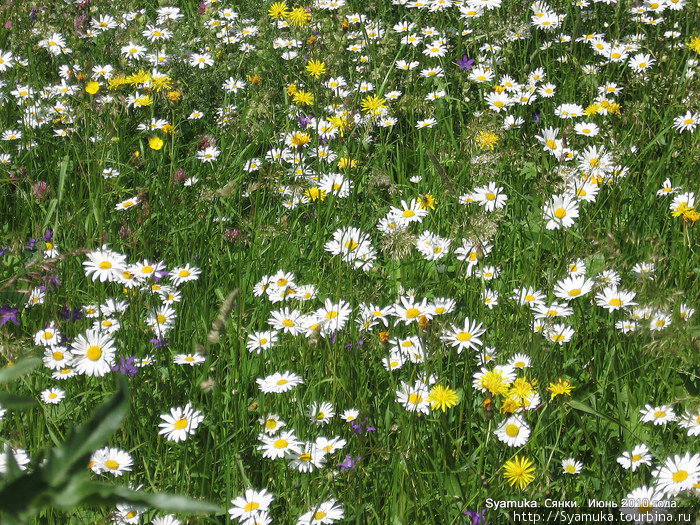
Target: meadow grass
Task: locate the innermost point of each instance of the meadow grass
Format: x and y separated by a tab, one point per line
416	464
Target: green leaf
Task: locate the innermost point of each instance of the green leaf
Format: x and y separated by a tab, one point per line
582	407
73	455
104	494
16	402
20	368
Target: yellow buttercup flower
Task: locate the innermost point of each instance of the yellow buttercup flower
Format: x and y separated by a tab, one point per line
92	87
155	143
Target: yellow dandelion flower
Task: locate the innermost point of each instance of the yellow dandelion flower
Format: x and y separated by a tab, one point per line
442	398
143	101
427	202
373	104
300	139
561	387
694	44
278	10
346	162
298	17
161	83
316	68
315	194
305	98
593	109
115	82
487	140
518	472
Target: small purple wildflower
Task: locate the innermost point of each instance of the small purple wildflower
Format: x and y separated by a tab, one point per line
8	314
478	518
31	243
126	367
359	427
465	62
349	463
159	342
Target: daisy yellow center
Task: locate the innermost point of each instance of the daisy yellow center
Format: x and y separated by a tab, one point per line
557	337
111	464
680	476
145	269
53	395
394	364
263	341
282	382
305	457
131	514
636	457
183	273
415	399
408	213
189	358
93	353
519	364
319	515
615	302
560	213
412	313
288	322
529	297
659	414
660	323
332	314
464	336
180	423
105	265
351	245
439	310
57	356
160	318
551	144
512	430
490	196
250	507
574	292
570	469
270	424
